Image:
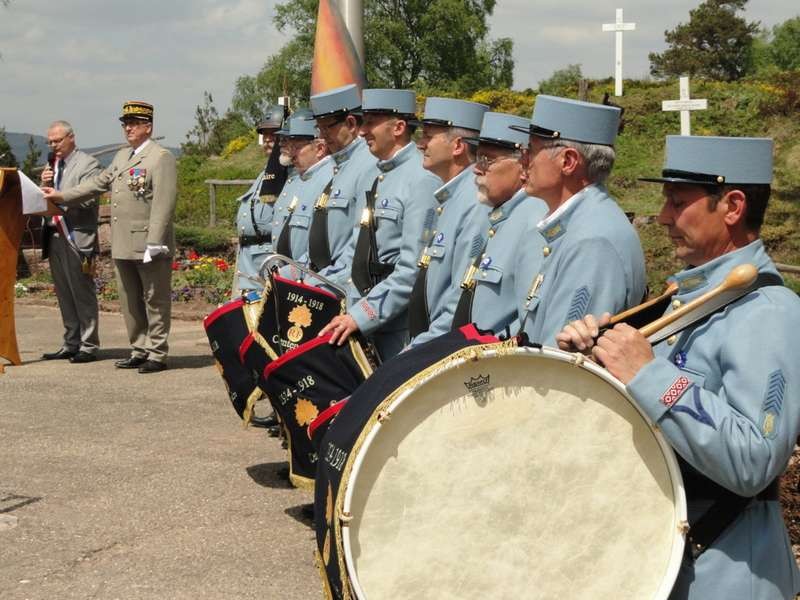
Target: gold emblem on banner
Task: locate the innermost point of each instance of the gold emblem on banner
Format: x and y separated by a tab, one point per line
300	316
305	412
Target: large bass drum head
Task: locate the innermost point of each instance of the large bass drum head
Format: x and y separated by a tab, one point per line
521	475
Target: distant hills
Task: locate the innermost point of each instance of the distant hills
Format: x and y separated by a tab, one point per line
19	146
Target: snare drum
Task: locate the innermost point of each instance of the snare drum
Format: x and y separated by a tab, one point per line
500	472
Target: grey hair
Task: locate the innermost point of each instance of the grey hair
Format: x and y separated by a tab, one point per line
462	132
64	125
599	159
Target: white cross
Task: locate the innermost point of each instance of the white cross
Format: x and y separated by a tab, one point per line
618	28
685	104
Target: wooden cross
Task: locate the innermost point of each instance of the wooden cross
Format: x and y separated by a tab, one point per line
685	104
618	28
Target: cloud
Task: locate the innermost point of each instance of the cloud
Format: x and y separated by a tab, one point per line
82	59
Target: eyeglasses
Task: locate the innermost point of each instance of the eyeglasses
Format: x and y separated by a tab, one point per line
59	140
483	162
133	124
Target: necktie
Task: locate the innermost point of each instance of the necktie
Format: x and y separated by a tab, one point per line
59	173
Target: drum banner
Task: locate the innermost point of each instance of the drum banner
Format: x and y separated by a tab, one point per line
336	447
304	382
239	351
301	311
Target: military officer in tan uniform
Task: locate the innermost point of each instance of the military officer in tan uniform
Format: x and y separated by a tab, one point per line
142	180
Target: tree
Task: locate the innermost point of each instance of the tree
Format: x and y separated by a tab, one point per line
32	159
784	50
7	158
715	43
561	81
439	45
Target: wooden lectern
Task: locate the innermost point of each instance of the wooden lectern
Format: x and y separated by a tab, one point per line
12	224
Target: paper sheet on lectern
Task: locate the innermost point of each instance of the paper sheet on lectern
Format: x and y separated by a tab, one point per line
32	197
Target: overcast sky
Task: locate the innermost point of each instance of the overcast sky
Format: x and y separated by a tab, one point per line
80	60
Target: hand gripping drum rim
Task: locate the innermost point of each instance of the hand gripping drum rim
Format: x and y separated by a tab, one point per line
365	476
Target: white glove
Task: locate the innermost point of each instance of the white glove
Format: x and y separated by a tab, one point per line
152	251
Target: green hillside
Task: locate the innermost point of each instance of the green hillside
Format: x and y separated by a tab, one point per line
746	108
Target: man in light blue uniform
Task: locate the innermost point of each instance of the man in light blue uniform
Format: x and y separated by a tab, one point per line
592	258
313	169
458	235
254	215
394	226
488	296
337	113
723	389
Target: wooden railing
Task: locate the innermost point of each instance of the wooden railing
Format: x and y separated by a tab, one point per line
212	195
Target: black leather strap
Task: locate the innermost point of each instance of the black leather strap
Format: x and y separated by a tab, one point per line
418	315
319	250
725	509
251	240
463	314
367	271
284	246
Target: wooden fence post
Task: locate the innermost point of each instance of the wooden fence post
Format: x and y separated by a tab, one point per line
212	205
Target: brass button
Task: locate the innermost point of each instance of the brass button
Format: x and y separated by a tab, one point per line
115	218
483	273
439	210
546	250
672	339
491	233
380	177
676	303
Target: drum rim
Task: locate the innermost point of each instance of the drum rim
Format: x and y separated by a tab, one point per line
372	428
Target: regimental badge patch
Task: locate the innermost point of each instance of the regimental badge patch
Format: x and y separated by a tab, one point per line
300	316
304	412
773	403
553	232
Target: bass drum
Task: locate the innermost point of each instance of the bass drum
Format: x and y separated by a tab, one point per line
503	472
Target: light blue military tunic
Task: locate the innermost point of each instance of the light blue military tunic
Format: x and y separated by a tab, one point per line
353	173
251	256
404	212
459	236
304	196
512	239
592	263
724	394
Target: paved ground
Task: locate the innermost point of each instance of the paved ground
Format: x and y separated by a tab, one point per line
120	485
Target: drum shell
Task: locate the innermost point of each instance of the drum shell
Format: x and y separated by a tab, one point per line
462	365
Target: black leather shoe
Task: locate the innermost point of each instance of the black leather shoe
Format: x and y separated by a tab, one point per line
134	362
274	431
82	357
152	366
60	355
266	422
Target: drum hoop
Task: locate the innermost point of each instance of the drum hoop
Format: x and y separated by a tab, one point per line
370	431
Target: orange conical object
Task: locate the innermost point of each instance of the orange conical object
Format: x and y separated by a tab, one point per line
11	225
336	62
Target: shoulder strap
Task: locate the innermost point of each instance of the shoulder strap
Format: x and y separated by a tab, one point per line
463	314
713	306
366	250
319	250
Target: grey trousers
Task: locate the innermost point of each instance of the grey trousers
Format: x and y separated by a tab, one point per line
77	297
145	296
